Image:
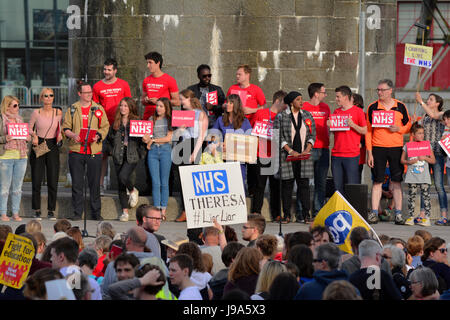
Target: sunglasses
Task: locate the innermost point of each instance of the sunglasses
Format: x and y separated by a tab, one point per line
385	256
15	105
245	227
443	250
319	260
207	76
154	218
48	95
383	89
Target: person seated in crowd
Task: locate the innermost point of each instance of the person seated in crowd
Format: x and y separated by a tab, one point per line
214	242
268	273
148	281
299	237
180	270
424	284
83	290
370	252
424	234
41	242
326	262
105	228
301	256
415	247
35	288
244	271
62	225
87	260
33	226
75	234
4	231
267	245
219	280
397	261
341	290
284	287
435	258
101	246
207	262
253	228
321	235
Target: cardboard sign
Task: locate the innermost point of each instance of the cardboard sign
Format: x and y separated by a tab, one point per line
417	149
240	147
18	130
383	119
263	129
15	261
242	94
211	98
339	122
445	144
183	118
420	56
139	128
213	191
83	133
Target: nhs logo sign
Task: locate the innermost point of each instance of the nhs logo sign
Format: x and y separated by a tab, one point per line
210	182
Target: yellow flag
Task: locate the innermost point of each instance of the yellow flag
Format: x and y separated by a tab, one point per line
341	218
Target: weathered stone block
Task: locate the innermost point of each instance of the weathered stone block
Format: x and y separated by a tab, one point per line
298	34
233	59
319	8
212	7
161	7
269	80
379	66
338	34
268	8
346	9
321	61
376	39
346	61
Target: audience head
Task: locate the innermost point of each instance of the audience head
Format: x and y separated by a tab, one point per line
105	228
125	265
384	239
415	245
62	225
246	263
357	235
180	269
300	237
33	226
435	249
302	257
101	244
207	262
236	295
20	229
35	284
41	241
395	256
4	231
424	234
150	289
423	282
193	250
210	236
267	244
230	252
283	287
87	259
400	243
254	227
268	272
341	290
75	234
230	234
326	257
321	235
64	252
136	238
83	290
369	252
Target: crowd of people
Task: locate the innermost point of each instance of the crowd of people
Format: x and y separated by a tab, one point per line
216	265
98	126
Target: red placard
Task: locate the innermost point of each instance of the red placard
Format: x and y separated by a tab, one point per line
383	119
445	144
139	128
263	129
417	149
18	130
301	157
183	118
242	94
339	122
83	133
211	98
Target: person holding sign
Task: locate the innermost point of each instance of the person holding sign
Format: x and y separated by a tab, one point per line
298	134
13	157
345	153
127	152
46	128
434	130
160	153
85	115
385	144
417	158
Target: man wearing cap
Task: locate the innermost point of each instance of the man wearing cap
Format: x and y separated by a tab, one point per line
298	134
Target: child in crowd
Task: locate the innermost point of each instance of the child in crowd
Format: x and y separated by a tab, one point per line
418	176
414	247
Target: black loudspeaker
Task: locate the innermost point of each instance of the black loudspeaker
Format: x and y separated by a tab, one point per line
357	195
330	189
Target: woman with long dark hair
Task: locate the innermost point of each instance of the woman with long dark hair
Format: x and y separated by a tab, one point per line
126	152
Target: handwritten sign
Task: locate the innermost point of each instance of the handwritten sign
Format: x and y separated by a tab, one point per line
420	56
139	128
339	122
15	261
417	149
211	98
263	129
183	118
445	144
383	119
213	191
241	147
242	94
18	130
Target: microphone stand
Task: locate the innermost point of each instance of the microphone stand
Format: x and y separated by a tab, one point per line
279	170
85	233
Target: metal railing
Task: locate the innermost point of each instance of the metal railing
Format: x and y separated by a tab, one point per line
30	96
21	92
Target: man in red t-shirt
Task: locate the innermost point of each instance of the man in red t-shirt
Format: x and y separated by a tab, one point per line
108	93
320	154
157	85
346	150
253	99
265	165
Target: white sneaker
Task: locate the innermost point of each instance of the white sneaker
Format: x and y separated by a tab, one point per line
124	217
134	198
425	222
409	221
102	191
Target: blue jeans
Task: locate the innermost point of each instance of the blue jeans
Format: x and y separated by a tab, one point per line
11	176
159	163
438	177
345	170
321	158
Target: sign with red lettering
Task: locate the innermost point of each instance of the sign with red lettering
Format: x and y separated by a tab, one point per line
183	118
263	129
445	144
139	128
383	119
242	94
18	130
417	149
339	122
212	98
290	158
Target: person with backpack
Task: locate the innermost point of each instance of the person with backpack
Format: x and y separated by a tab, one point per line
435	258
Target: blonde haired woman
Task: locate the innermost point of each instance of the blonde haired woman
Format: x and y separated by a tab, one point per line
13	159
45	124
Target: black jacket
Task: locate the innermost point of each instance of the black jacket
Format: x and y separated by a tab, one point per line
136	149
218	111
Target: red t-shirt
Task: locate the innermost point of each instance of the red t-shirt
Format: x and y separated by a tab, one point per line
160	87
109	96
346	143
264	145
320	113
98	270
85	115
255	98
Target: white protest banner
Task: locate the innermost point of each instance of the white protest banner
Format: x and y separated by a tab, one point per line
383	119
18	130
213	191
139	128
263	129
